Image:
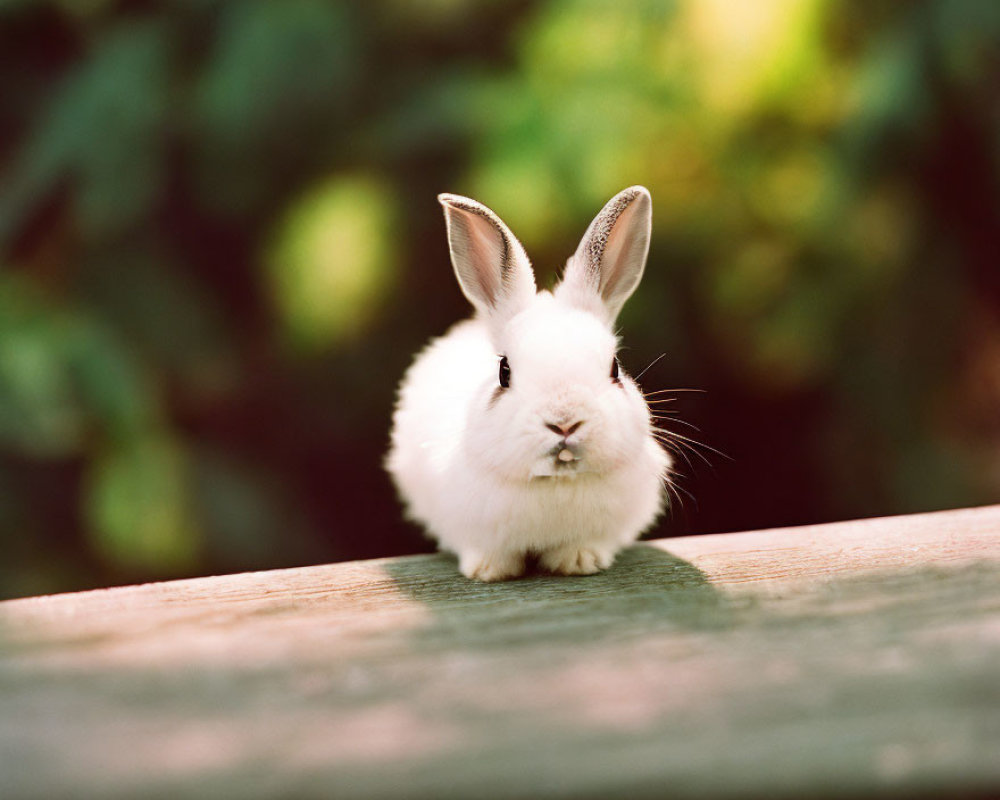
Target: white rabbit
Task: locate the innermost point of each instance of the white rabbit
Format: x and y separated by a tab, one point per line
517	434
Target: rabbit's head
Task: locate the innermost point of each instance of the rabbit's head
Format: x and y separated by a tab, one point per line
557	403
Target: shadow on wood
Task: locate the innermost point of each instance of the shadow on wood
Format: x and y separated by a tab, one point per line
646	586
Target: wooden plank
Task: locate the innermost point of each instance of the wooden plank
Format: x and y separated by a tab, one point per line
859	657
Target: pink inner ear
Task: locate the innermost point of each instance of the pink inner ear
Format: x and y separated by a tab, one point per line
489	262
488	251
478	252
624	255
609	262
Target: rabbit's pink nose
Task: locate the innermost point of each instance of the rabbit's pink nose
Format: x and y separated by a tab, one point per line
564	430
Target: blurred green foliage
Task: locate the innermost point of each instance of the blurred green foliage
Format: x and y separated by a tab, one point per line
220	248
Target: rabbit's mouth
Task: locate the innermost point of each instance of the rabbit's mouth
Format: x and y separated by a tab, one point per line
562	461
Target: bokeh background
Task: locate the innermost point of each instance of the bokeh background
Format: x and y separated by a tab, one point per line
220	247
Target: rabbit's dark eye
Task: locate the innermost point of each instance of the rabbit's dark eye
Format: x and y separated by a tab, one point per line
614	369
504	372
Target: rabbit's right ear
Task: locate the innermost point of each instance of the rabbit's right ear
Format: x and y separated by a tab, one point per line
490	263
609	262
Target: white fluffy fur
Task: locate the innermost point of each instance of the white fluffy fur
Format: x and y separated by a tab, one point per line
477	465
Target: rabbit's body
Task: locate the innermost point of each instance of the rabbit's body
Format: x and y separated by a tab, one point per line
558	460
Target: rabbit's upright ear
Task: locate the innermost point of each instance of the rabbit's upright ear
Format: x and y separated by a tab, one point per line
490	263
609	262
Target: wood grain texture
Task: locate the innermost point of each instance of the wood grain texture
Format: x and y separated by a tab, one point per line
860	657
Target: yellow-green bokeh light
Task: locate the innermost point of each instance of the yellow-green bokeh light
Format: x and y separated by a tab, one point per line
332	261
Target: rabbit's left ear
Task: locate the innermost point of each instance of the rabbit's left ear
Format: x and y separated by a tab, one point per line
490	263
609	262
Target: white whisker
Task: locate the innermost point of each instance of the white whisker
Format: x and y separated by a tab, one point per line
650	364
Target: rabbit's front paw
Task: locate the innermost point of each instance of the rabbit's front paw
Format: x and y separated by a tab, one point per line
490	567
576	560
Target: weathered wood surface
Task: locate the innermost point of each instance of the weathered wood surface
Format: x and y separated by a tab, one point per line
860	657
